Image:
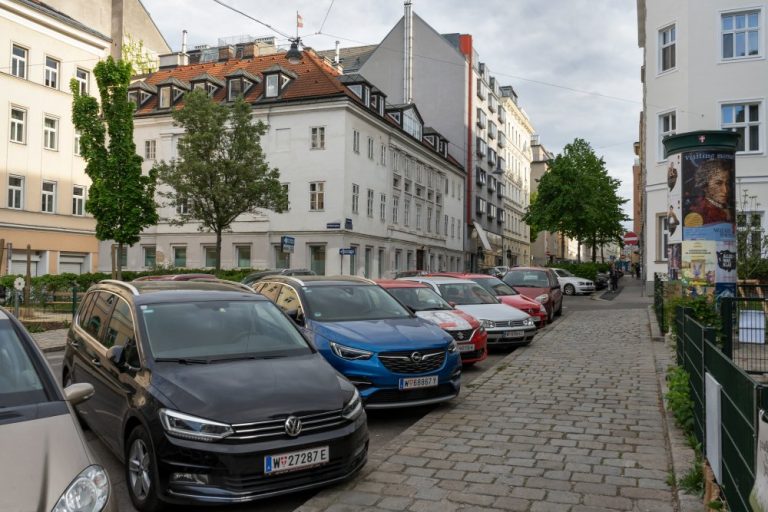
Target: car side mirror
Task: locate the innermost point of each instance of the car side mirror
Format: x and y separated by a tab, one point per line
116	354
78	393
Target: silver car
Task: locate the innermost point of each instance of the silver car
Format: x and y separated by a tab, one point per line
47	464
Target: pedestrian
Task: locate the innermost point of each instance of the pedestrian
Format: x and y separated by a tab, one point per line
637	270
614	275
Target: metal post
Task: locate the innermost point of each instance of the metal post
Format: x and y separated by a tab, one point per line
726	325
74	299
16	297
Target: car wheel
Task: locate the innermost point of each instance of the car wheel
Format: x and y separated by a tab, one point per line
569	289
140	471
559	310
551	315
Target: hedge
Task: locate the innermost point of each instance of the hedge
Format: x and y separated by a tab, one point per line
586	270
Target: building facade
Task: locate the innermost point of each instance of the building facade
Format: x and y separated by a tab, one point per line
704	68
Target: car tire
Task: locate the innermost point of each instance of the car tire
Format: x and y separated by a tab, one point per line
141	472
569	289
551	316
559	310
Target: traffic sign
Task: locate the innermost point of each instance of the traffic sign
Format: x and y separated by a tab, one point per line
19	283
630	238
348	251
287	243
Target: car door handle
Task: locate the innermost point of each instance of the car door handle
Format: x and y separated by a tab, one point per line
95	361
74	344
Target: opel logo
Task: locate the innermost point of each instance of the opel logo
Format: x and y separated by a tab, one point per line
293	426
416	357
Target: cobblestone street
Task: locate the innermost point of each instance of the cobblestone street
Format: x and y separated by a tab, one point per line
573	423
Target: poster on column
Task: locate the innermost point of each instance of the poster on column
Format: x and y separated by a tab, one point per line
708	195
674	200
674	261
698	267
725	273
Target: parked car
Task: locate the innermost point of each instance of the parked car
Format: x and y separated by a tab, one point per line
494	271
505	293
601	280
395	358
177	277
255	276
47	463
506	326
538	283
210	394
571	284
470	336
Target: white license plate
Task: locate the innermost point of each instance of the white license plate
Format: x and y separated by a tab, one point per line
466	347
514	334
418	382
296	460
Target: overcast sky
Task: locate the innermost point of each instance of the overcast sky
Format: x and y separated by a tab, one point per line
575	64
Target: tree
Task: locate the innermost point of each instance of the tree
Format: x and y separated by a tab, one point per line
121	198
751	243
141	59
221	172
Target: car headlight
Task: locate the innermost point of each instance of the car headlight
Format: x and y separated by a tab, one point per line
192	427
487	324
452	347
543	298
528	321
88	492
353	408
349	352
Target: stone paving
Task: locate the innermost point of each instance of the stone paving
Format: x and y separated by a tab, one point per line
573	423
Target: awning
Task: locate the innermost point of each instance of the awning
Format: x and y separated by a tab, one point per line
482	235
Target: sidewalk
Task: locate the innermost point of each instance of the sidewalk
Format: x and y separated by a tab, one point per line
573	423
51	341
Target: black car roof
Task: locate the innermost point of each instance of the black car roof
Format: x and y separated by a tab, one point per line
164	291
322	280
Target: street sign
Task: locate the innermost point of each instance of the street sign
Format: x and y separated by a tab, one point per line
630	238
19	283
287	243
348	251
333	225
348	224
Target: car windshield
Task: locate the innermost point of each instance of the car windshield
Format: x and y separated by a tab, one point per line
564	273
527	278
420	299
466	293
496	286
19	382
337	303
220	329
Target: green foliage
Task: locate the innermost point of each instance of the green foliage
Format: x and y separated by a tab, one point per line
587	270
679	398
34	328
140	58
121	198
692	481
221	172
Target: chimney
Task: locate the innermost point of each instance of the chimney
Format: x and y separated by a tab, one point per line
408	54
184	41
337	58
226	52
250	50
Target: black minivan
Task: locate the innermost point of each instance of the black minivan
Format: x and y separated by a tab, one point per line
210	394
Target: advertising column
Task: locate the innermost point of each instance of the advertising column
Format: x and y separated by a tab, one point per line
701	216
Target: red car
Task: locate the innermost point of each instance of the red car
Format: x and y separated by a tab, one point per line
470	337
505	293
538	283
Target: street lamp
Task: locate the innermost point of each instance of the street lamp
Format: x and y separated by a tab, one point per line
294	54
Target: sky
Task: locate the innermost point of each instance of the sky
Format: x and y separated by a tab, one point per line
575	64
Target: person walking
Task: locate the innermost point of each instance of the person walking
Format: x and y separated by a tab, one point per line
614	276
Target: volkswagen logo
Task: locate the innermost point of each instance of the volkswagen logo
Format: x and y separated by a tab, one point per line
416	357
293	426
460	335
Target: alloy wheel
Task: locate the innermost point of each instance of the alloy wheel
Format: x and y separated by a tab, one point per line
569	289
139	470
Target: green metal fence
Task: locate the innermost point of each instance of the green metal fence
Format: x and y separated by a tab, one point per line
42	308
744	332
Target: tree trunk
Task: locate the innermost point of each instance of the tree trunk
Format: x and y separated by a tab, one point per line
602	254
594	249
120	261
578	250
218	251
562	245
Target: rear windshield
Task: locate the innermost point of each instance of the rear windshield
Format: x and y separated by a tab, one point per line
420	299
336	303
530	278
496	286
466	294
19	382
223	329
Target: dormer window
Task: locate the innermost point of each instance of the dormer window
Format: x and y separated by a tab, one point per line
165	97
235	89
140	92
412	123
207	83
272	86
366	96
276	78
133	97
177	93
170	91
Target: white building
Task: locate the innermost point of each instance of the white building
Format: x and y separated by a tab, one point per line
704	68
360	173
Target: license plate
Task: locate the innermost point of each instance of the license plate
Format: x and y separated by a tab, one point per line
418	382
514	334
466	347
296	460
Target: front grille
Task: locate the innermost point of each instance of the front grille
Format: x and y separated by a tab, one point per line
271	429
388	396
508	323
464	335
472	355
402	362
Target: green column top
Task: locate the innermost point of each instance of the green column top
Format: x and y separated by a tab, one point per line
723	140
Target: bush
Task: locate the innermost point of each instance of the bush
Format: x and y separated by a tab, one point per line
679	398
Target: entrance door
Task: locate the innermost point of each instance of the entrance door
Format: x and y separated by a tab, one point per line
419	259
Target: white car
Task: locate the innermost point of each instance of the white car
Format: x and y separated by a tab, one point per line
505	325
573	285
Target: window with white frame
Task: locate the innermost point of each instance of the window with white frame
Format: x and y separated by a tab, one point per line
395	207
667	48
77	143
18	125
150	149
383	154
744	119
272	87
418	216
182	204
165	97
445	226
429	219
317	139
15	192
52	73
740	34
51	133
19	56
243	254
317	196
83	77
663	237
406	212
49	197
667	127
355	198
370	148
150	256
369	210
78	200
355	141
383	207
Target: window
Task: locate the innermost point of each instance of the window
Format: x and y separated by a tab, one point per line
445	226
82	77
51	73
180	256
370	148
383	207
667	127
318	137
282	259
667	43
271	88
741	35
19	61
243	253
120	332
744	118
663	237
15	192
210	255
78	200
355	198
235	89
77	143
50	133
481	118
150	149
429	219
749	235
383	155
370	203
165	97
150	252
18	125
480	206
406	212
356	141
395	207
122	257
49	197
418	216
317	259
317	196
182	205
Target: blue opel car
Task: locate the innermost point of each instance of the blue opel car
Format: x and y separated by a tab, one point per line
393	357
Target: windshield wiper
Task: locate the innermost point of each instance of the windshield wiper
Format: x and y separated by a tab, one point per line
182	360
243	358
436	308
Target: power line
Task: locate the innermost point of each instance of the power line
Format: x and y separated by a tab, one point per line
326	17
270	27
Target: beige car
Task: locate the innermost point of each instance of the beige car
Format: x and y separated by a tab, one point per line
46	464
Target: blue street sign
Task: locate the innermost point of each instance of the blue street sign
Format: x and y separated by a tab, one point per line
348	224
348	251
287	243
333	225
